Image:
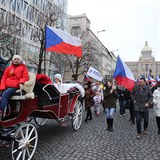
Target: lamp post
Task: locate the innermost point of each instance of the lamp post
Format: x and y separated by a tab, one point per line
100	31
100	51
114	50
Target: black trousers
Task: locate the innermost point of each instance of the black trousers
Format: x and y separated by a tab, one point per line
89	113
132	114
158	122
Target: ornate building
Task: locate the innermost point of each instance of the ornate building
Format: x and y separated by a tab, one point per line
146	64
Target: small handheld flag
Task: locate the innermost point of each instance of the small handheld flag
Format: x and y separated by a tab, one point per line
150	79
157	78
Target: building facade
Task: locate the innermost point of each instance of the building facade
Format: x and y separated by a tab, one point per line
146	64
27	15
104	61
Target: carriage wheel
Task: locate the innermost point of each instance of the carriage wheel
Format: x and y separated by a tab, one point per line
77	115
25	143
40	121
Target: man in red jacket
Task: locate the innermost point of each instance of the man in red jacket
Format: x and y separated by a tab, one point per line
14	75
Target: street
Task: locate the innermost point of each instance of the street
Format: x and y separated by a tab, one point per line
93	142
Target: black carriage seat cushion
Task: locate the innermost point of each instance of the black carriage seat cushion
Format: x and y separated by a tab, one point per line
51	91
47	94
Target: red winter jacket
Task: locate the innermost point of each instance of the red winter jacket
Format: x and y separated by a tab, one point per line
13	76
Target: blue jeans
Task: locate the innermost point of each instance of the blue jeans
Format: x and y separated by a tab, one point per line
122	105
139	116
109	112
8	93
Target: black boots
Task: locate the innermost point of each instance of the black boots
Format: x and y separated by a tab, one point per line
110	124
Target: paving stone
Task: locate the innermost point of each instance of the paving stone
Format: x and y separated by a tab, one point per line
93	142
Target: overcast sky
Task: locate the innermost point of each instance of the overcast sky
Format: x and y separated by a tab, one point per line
128	24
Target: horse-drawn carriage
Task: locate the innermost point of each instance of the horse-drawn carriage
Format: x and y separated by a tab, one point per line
48	103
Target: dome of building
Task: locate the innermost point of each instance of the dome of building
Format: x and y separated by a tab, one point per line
146	47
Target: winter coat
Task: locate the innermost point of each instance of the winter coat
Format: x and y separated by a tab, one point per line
13	76
89	94
98	90
110	98
156	102
122	94
2	66
140	99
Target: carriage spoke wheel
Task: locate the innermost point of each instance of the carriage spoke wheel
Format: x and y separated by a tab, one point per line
40	121
25	143
77	115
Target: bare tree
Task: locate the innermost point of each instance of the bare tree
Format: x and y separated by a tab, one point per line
8	42
39	33
78	66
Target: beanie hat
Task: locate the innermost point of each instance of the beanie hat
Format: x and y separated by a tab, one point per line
17	56
58	76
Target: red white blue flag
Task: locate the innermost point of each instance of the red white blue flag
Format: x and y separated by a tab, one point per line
150	79
62	42
123	75
157	78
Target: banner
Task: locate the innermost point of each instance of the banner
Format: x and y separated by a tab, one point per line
92	72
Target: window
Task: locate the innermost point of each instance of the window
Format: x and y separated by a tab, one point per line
18	6
3	2
13	7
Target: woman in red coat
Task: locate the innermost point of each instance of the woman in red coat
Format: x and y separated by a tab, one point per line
13	76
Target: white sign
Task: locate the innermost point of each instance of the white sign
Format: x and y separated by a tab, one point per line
92	72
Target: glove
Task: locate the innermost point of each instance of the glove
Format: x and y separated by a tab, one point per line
28	83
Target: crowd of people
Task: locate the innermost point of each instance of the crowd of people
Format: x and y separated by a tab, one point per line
97	95
138	101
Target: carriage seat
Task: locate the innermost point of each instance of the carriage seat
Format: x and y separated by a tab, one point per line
26	90
52	92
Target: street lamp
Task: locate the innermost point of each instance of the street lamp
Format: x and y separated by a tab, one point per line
114	50
100	31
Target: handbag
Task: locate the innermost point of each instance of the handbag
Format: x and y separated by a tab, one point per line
92	102
127	106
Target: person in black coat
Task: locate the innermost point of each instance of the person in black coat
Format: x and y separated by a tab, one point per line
122	96
110	96
130	106
3	66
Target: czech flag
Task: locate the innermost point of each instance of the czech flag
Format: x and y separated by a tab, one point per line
85	78
157	78
62	42
123	75
150	79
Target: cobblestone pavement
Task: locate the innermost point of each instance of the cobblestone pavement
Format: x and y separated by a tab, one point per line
94	142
